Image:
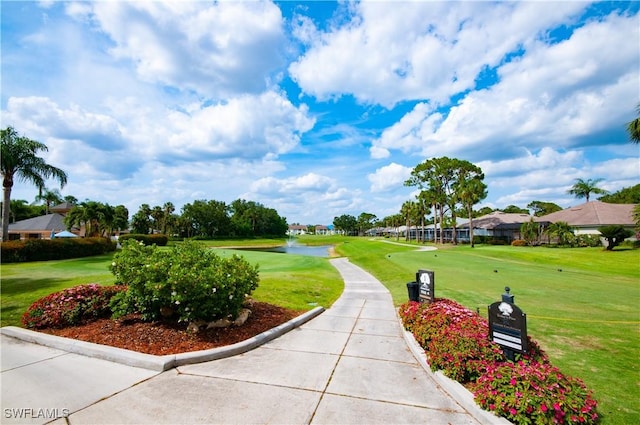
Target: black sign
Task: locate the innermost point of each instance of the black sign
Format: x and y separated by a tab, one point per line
508	326
426	280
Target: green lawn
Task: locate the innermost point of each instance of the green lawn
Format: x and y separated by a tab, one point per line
582	304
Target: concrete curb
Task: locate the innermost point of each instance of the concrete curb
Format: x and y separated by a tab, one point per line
149	361
455	389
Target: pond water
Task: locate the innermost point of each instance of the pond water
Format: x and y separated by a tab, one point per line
314	251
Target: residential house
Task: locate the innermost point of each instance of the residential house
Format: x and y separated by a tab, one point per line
42	227
499	225
586	218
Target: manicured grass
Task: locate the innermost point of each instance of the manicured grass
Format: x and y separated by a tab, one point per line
291	281
585	316
24	283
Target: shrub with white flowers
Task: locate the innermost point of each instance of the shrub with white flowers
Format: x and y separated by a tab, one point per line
189	282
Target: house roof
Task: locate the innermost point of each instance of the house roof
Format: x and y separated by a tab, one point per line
43	222
498	218
63	207
593	213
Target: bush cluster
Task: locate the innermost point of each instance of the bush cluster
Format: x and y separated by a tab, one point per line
54	249
518	242
527	391
157	239
189	282
70	306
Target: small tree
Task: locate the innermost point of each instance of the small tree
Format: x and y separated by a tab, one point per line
562	231
614	234
530	232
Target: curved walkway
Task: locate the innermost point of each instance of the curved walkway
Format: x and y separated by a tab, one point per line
349	365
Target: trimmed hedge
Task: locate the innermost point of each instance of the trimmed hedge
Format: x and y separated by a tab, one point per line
159	240
54	249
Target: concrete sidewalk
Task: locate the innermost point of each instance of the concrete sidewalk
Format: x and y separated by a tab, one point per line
352	364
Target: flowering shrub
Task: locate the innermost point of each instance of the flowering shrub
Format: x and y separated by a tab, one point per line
190	282
527	391
532	392
70	306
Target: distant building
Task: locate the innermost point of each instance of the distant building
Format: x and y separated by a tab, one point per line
587	217
42	227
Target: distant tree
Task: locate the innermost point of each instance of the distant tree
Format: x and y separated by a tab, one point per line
636	217
408	211
141	220
366	221
346	223
614	234
540	208
634	127
562	231
50	197
98	219
530	232
470	189
71	199
120	218
627	195
514	209
482	211
22	210
19	158
583	188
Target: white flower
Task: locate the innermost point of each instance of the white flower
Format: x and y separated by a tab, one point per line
174	293
113	264
214	290
231	296
177	302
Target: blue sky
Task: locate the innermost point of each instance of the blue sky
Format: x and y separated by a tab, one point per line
319	109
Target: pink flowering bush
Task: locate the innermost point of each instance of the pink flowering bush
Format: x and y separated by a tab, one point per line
70	306
527	391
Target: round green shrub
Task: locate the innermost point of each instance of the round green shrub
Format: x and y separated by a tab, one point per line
188	281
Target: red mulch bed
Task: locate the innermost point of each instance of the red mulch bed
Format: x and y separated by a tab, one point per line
170	337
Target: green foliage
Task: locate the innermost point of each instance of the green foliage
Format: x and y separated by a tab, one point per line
541	208
159	240
528	391
514	209
588	241
627	195
70	307
54	249
346	223
562	232
614	234
584	188
190	282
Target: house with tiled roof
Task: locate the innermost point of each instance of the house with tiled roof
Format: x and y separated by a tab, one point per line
43	226
586	218
499	225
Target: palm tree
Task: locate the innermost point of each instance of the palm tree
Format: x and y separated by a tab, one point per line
49	197
634	127
562	231
583	188
20	160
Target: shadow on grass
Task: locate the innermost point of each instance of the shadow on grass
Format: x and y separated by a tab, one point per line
19	285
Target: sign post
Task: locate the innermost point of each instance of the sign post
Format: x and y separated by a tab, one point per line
508	326
426	280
